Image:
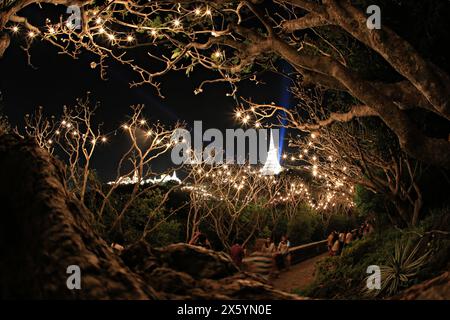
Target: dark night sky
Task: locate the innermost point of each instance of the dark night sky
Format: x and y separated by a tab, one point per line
59	80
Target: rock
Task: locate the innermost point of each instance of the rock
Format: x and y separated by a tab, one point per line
137	255
196	261
244	286
45	229
435	289
171	281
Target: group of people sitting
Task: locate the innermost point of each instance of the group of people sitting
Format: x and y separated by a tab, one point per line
266	258
337	241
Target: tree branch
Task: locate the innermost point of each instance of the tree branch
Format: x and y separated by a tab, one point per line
310	20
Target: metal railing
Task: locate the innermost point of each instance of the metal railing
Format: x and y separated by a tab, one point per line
307	251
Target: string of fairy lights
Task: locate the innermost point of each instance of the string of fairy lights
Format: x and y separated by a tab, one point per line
240	178
98	22
108	33
325	171
104	25
335	191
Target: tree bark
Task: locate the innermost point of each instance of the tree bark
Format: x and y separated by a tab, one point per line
4	43
45	229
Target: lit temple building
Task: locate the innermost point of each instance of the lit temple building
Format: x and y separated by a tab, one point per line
164	178
272	165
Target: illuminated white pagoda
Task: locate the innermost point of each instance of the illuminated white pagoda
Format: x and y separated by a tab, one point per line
164	178
272	165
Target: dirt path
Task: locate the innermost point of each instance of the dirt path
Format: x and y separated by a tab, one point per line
298	276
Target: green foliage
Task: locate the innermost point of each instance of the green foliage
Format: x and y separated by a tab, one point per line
175	53
436	231
403	265
302	226
339	222
307	225
344	277
144	211
368	202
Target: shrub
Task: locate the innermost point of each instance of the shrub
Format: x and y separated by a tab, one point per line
403	265
344	277
302	227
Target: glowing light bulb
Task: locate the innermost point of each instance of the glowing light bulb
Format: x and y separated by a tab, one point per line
197	11
51	30
15	29
153	32
31	34
217	54
98	21
142	121
130	38
208	12
111	37
176	23
101	30
103	139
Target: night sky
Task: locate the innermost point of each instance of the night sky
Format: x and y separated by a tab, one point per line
59	80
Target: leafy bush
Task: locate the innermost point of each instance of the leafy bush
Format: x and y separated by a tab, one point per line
144	211
340	222
344	277
403	265
302	226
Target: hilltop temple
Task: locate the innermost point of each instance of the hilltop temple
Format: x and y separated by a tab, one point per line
164	178
272	165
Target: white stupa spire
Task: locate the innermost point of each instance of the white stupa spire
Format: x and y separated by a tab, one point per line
272	165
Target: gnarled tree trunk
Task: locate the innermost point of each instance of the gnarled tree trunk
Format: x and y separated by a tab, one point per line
44	230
